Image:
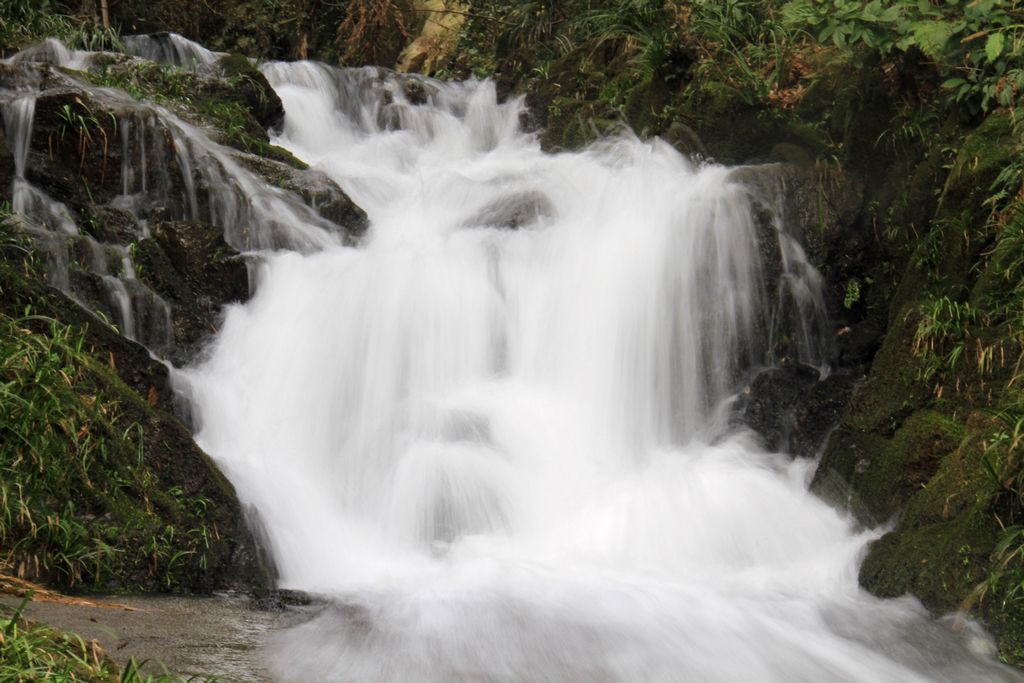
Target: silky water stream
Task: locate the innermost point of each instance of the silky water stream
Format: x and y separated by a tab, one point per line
492	435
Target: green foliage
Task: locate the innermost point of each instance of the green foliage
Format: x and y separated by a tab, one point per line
945	335
1003	462
745	45
977	46
852	294
79	505
23	22
645	26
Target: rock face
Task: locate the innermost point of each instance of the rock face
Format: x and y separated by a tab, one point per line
911	444
316	189
191	267
792	409
514	212
130	175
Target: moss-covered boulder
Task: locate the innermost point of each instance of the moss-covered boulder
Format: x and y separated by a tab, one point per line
940	547
103	488
316	189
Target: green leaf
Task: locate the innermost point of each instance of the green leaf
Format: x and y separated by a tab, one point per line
994	46
892	13
799	12
931	37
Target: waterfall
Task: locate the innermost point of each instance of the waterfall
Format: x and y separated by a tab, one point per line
491	435
172	49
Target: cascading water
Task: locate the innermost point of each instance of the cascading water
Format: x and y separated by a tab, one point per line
491	434
168	168
170	48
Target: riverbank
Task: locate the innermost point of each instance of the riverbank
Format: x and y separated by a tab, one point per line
218	636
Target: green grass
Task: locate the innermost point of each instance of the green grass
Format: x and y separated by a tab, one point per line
82	503
24	22
76	496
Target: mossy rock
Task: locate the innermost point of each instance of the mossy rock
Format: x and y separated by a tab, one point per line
894	388
940	563
889	472
646	105
254	89
939	550
316	189
142	507
983	154
236	103
943	263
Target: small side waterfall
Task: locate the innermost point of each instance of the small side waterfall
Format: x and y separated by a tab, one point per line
170	48
169	169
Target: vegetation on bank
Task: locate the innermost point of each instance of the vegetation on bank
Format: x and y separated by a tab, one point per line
99	489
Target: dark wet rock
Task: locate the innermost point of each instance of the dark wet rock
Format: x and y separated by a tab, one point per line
817	413
768	405
75	148
792	409
316	189
858	342
417	91
685	139
514	211
79	136
25	76
819	205
280	599
193	269
109	224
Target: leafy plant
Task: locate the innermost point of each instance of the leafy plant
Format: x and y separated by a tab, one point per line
977	46
947	333
644	25
852	294
78	120
23	22
745	45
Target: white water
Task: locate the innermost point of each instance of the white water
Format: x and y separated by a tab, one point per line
501	452
172	49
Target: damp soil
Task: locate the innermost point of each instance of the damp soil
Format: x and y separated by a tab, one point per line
219	636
